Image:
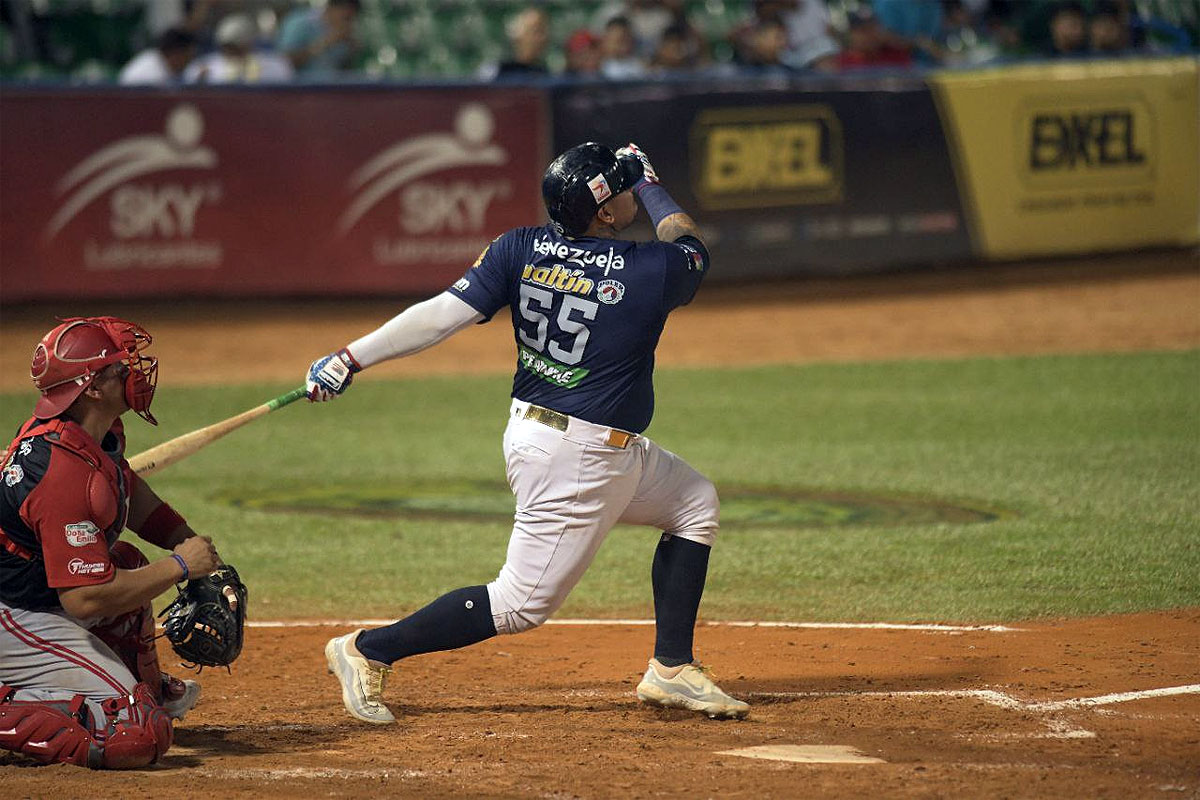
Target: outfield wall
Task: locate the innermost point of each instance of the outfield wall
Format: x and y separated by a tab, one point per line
363	190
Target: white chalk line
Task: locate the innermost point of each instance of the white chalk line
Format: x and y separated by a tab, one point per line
884	626
290	773
1058	728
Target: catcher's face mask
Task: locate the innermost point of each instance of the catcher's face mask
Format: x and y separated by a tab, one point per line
70	356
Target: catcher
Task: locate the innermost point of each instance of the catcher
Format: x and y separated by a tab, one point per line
79	676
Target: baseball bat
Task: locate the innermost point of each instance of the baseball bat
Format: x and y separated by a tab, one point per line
167	453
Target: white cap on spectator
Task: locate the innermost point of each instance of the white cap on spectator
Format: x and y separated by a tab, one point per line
237	30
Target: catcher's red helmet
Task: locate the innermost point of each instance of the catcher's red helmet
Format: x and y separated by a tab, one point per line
70	356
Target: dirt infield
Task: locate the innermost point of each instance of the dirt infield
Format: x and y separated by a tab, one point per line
1119	303
1089	708
552	714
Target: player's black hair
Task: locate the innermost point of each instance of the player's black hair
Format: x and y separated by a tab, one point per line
175	39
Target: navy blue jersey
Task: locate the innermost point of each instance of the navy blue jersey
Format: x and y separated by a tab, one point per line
587	314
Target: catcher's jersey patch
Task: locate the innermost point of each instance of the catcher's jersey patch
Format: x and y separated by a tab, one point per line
77	566
81	534
13	474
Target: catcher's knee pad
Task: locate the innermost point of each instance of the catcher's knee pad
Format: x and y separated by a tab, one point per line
135	732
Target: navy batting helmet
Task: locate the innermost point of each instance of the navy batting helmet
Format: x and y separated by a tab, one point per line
581	180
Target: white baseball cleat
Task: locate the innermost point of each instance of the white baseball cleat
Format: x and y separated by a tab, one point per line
362	680
179	697
690	688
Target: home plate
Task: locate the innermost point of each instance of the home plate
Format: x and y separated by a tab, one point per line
805	753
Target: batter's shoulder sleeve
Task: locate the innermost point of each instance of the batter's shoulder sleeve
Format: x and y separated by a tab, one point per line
62	513
686	263
486	286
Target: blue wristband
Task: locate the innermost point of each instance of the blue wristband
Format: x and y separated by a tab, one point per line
658	203
183	564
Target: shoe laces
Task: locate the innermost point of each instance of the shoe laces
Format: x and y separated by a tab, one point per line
376	681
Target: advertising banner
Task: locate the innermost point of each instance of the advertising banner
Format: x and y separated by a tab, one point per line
791	176
1079	157
240	193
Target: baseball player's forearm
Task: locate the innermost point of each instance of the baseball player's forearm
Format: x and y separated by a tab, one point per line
415	329
154	520
677	225
129	589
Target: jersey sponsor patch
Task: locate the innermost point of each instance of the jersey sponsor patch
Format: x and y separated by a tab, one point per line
694	254
81	534
610	292
13	474
558	278
462	284
600	188
550	370
77	566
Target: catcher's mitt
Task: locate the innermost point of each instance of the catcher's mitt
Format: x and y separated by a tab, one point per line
204	623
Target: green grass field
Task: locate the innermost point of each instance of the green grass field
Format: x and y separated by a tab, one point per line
1090	464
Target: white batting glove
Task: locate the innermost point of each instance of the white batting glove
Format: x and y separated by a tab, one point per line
631	149
329	375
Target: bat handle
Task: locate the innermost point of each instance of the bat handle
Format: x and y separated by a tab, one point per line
290	397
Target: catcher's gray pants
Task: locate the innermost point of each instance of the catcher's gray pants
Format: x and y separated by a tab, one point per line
571	488
50	655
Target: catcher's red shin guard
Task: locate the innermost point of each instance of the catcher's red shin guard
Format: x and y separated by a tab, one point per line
49	732
136	732
131	635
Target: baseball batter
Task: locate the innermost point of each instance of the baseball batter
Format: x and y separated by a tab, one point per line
587	310
79	675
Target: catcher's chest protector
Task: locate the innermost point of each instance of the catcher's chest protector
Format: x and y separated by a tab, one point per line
42	469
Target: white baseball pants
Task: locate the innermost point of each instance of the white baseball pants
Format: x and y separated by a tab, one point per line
571	488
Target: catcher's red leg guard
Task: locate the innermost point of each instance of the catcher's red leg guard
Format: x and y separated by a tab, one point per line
131	635
48	732
142	737
62	731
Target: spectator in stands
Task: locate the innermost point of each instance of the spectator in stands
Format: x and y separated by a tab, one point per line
960	42
811	44
913	25
768	45
528	37
869	45
583	54
320	42
1108	30
1002	30
162	64
1068	30
621	61
235	60
648	20
676	52
189	15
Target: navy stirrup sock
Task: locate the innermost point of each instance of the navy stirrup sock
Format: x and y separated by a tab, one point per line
680	567
456	619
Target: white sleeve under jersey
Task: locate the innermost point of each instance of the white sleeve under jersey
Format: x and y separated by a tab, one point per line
414	329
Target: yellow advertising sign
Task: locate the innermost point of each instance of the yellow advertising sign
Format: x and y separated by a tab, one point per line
1074	158
761	156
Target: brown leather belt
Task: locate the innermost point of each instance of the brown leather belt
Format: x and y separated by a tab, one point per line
554	419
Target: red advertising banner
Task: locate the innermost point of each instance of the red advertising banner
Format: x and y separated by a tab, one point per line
244	193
